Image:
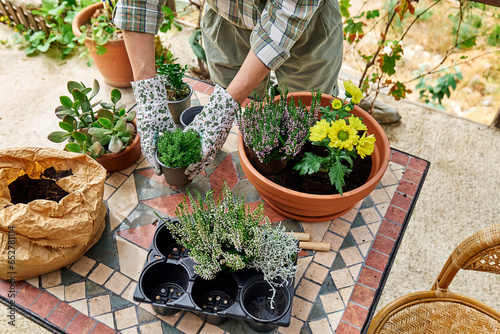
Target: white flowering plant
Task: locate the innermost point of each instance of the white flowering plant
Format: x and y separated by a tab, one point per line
276	129
344	137
225	234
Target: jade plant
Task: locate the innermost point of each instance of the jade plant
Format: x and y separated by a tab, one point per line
174	73
87	130
178	148
225	234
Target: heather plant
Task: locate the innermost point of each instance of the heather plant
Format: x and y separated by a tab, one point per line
276	129
343	135
221	234
225	234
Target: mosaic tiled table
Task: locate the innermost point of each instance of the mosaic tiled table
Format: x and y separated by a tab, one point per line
335	291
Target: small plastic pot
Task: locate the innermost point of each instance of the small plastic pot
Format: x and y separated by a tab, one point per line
189	114
173	175
214	296
255	300
177	107
166	245
164	283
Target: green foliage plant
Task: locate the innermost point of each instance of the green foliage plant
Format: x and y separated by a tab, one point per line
169	20
178	148
225	234
434	94
101	29
58	16
276	129
174	73
87	130
344	137
391	26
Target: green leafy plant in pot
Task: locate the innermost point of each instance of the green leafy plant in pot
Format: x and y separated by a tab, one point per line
94	27
99	133
178	92
175	151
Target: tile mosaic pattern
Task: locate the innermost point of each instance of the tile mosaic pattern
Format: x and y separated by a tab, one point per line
335	291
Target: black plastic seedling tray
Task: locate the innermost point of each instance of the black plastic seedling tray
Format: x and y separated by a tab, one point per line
168	282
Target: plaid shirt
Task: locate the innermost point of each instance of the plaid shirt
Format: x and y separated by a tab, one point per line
276	24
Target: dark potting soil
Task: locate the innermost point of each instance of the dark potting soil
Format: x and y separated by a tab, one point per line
319	183
25	189
51	173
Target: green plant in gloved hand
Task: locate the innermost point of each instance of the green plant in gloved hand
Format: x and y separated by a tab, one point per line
94	132
179	149
174	73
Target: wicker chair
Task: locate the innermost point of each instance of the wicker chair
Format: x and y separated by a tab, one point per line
441	311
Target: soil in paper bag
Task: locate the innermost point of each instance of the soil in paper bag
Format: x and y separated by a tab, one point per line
25	189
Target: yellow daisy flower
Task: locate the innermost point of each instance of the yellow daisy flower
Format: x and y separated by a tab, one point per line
336	104
365	145
342	135
356	99
357	123
353	92
319	131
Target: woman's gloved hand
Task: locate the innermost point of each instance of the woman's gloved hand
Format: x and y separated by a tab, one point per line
153	115
213	124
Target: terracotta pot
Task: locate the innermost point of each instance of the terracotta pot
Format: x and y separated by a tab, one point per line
114	162
316	208
114	65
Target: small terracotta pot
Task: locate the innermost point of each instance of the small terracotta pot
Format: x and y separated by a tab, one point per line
114	162
114	65
317	208
173	175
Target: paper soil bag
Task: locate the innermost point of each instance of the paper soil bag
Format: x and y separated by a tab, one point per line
42	236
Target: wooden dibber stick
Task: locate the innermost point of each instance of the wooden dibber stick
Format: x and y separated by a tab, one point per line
317	246
305	244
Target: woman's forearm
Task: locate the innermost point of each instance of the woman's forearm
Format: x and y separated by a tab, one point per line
141	53
251	73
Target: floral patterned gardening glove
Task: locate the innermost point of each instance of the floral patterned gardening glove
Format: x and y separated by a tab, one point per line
213	124
153	115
